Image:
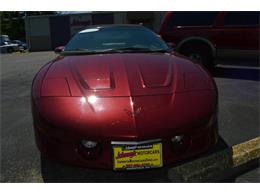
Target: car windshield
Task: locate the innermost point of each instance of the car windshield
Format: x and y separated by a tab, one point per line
115	39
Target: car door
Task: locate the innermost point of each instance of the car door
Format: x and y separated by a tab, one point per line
239	34
182	25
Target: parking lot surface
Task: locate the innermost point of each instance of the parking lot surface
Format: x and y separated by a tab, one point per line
238	86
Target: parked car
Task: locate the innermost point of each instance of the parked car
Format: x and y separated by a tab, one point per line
207	36
6	46
22	45
117	98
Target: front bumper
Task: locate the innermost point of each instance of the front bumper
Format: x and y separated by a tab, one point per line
65	147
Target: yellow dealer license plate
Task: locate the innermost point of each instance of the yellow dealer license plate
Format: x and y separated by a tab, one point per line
129	157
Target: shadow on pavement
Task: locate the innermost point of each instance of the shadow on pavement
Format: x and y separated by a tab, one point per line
56	172
238	70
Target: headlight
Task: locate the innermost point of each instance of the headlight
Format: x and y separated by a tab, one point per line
89	144
177	139
89	149
180	144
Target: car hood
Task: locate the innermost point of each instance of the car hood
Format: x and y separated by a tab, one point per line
128	74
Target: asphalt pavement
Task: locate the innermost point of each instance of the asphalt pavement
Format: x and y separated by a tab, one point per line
238	86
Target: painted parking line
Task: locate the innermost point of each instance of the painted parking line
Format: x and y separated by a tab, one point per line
206	168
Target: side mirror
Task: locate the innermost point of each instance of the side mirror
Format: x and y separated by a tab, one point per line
59	49
171	45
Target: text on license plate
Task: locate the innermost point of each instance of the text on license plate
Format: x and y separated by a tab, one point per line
137	156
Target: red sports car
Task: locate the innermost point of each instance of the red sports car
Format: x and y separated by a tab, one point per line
118	98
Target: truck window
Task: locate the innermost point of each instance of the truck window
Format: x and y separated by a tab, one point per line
204	18
242	18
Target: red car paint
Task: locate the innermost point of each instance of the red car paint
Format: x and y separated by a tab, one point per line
138	97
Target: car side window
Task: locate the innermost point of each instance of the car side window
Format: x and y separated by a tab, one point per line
194	18
242	18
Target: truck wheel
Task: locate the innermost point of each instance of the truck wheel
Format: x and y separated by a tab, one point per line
201	53
10	50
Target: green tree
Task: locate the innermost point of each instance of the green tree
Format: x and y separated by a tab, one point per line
12	23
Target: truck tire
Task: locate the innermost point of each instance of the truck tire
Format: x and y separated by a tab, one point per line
199	52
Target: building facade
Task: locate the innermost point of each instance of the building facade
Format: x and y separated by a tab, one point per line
48	32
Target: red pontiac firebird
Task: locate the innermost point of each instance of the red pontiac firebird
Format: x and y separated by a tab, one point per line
118	98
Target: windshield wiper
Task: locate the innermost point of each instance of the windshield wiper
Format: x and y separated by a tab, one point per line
131	49
121	50
112	50
78	49
161	50
134	49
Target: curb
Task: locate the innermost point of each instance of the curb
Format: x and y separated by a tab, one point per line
211	168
